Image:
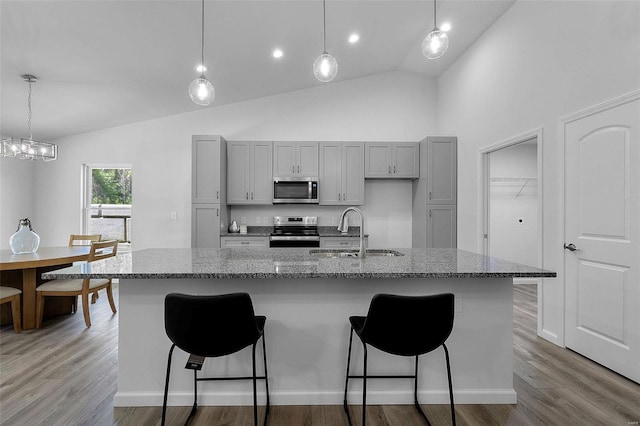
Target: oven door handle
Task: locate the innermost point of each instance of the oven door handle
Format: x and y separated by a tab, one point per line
293	238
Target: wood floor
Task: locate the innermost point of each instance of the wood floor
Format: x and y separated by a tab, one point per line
65	374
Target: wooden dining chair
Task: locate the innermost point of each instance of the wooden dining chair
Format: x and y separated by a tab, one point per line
85	240
78	240
80	287
12	295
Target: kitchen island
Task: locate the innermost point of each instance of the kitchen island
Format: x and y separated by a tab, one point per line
307	300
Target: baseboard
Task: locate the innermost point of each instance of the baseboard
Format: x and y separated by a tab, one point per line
464	396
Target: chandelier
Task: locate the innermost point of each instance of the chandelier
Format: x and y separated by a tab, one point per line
29	149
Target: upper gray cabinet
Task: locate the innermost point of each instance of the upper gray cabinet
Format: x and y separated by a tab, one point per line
341	173
392	160
208	169
295	159
442	170
249	177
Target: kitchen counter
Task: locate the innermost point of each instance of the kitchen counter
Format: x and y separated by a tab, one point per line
239	263
307	302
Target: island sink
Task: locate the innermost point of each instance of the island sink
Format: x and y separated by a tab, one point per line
334	253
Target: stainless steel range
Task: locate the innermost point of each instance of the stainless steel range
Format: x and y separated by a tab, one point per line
295	231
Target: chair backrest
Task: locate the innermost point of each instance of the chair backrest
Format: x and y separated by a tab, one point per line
85	240
102	250
409	325
210	326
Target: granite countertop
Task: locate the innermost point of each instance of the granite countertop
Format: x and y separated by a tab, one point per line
295	263
324	231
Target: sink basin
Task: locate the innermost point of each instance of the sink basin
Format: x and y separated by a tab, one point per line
335	253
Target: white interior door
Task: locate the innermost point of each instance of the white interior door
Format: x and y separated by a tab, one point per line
602	211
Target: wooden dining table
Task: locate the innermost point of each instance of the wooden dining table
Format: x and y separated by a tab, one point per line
23	271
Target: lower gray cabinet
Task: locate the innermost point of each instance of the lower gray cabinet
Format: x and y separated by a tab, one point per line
229	242
206	222
347	243
441	226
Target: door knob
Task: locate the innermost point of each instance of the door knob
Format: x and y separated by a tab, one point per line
571	247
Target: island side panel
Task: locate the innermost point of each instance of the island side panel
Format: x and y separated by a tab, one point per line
307	336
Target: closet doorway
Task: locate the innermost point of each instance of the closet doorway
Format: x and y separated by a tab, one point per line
512	201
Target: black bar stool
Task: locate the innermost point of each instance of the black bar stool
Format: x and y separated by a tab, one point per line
209	327
404	326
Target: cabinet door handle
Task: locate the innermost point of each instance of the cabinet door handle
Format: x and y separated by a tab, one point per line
298	169
344	197
429	212
247	195
344	244
293	169
429	194
389	169
217	195
252	195
218	212
244	242
394	169
339	196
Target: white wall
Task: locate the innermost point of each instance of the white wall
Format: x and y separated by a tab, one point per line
540	61
384	107
16	198
513	205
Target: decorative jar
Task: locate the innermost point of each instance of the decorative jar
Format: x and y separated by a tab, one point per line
24	240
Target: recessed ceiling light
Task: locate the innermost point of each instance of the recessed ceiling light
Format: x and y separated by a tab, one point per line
277	53
446	27
353	38
201	68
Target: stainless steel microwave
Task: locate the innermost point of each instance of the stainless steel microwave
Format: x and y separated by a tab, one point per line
295	190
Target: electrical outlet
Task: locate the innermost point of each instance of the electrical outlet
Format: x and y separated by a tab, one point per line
458	304
174	215
243	220
265	220
520	220
258	220
334	220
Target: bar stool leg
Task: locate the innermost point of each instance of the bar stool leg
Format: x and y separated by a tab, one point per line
195	397
453	411
346	382
255	396
166	386
364	387
266	376
415	395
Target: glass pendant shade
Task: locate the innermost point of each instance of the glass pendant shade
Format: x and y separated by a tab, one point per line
435	44
202	91
325	67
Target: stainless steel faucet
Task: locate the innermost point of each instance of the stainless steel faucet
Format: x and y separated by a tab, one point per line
343	228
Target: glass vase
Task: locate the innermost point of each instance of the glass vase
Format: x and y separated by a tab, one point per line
24	240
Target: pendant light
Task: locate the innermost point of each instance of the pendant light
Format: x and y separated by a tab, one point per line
436	42
29	149
325	67
201	90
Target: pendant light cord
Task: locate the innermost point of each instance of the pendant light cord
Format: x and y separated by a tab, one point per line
29	116
324	26
202	42
435	24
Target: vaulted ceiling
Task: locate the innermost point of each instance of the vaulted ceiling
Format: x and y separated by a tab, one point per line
105	63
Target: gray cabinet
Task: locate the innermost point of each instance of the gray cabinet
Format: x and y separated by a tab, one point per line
346	243
442	170
249	176
208	169
250	242
295	159
208	190
441	226
399	160
207	220
434	221
341	173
